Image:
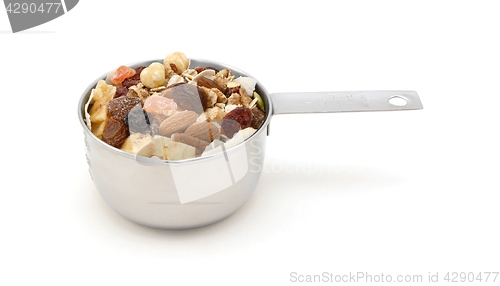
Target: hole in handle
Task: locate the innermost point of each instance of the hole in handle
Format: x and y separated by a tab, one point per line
398	101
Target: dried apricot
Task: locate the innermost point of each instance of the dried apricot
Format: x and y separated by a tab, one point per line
121	74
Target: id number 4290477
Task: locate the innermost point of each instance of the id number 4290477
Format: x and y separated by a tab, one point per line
33	8
470	277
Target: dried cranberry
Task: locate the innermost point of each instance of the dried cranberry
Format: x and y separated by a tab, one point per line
115	132
121	105
240	115
121	91
232	90
134	80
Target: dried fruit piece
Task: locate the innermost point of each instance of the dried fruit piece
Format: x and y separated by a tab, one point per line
115	132
179	151
208	83
238	118
121	91
104	92
99	112
121	105
232	90
200	145
138	143
156	103
134	80
121	74
205	131
258	117
177	123
187	97
98	129
138	120
260	102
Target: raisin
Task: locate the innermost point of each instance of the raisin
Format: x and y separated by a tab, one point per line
115	132
208	83
121	105
240	115
232	90
134	80
121	91
138	120
188	97
258	117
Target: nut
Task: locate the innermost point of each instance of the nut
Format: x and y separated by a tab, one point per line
177	123
189	74
200	145
153	76
234	99
245	99
212	96
179	60
205	131
233	84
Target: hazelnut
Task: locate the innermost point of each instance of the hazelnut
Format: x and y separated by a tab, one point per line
153	76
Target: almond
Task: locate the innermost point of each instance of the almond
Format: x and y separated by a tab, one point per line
205	131
177	123
200	145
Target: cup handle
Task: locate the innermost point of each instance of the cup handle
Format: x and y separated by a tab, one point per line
345	101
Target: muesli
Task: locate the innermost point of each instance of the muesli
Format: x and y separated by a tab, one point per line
171	111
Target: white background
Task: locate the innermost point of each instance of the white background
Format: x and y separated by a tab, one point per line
390	192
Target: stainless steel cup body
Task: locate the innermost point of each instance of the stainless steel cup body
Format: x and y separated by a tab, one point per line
176	194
